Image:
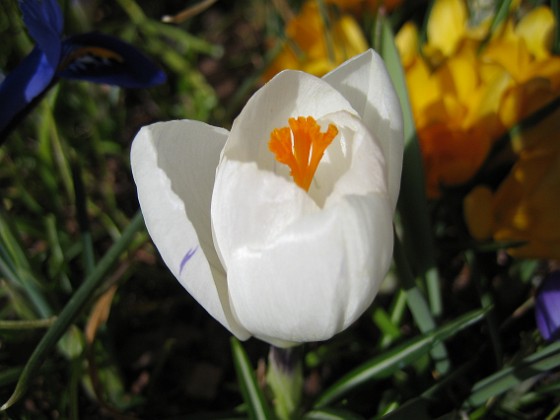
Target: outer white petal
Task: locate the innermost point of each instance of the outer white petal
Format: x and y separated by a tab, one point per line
316	278
174	165
365	83
288	94
251	207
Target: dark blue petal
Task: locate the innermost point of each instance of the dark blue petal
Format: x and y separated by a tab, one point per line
547	307
44	21
25	83
105	59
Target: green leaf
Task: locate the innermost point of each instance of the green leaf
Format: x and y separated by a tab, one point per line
397	311
331	414
538	363
15	266
418	305
72	309
413	210
393	360
252	395
500	15
26	324
412	204
384	323
416	408
82	217
72	343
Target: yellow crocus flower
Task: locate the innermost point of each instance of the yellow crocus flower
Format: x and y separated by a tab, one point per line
309	47
465	95
526	205
455	107
524	52
447	25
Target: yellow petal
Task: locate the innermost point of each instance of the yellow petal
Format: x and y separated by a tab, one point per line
537	30
510	51
286	59
451	155
348	38
522	100
485	104
307	48
460	75
447	25
407	43
423	89
527	205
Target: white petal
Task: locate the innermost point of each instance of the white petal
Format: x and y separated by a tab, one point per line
174	165
363	169
252	206
318	277
284	248
365	83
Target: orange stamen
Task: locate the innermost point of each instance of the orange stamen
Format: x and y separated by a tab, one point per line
301	146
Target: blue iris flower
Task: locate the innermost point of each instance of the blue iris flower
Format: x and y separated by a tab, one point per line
547	307
92	56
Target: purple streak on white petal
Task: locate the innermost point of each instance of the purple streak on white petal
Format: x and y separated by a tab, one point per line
187	257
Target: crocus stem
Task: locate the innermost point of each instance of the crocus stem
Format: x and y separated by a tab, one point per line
285	379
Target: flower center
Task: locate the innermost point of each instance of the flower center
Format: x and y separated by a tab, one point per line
301	146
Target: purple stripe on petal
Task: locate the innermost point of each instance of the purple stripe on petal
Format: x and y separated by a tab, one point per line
186	258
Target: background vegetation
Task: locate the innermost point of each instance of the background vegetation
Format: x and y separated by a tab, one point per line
76	262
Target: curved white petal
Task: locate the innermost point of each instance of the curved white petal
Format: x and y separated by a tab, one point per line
365	83
253	206
316	278
174	165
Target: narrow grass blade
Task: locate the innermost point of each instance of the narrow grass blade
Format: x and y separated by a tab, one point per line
15	266
500	15
424	27
384	323
397	311
418	305
412	198
412	206
390	361
72	309
252	395
538	363
82	217
26	324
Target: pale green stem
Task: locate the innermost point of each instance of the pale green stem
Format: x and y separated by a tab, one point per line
285	379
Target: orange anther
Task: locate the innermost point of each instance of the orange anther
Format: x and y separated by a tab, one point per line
301	146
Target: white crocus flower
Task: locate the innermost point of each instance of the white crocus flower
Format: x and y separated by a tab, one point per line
273	237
